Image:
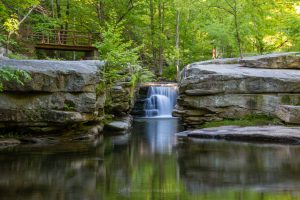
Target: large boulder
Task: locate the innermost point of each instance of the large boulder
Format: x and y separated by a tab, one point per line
55	76
61	93
211	92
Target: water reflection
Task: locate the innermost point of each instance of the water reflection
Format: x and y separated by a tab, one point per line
146	165
159	133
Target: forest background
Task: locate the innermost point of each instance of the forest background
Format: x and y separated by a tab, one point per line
160	35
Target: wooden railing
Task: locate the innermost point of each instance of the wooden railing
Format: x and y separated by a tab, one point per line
64	38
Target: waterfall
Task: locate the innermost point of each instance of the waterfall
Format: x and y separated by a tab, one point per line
160	101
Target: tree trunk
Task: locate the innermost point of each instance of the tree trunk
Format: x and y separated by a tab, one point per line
237	30
58	9
152	35
177	62
67	23
52	8
100	11
161	25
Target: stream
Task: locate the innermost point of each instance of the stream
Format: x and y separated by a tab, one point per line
150	163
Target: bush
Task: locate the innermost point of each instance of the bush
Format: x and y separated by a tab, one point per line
18	76
169	73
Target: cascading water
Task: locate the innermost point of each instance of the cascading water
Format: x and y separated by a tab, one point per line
160	101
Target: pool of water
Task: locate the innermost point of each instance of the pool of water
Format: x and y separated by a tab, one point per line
150	164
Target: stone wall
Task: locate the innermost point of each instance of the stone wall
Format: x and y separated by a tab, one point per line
232	88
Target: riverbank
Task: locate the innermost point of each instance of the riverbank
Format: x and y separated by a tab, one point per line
62	100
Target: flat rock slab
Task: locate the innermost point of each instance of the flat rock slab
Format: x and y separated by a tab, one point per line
290	60
235	79
55	76
261	134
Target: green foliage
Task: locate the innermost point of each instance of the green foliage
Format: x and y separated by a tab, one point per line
250	120
17	56
69	106
169	73
122	59
11	25
116	52
12	75
128	33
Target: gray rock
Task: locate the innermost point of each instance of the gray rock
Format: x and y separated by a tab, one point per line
122	124
61	93
275	61
55	76
289	114
4	52
3	57
267	134
218	91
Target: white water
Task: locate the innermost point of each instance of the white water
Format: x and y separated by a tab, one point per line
160	101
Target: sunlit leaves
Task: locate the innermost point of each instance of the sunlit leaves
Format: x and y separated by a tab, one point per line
11	25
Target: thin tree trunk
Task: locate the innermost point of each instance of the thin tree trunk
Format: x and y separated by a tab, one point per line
161	24
177	45
237	31
52	8
67	23
58	8
238	37
100	11
152	34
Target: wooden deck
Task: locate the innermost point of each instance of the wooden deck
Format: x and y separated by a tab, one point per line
64	41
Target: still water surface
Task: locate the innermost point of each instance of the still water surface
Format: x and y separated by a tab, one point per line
150	164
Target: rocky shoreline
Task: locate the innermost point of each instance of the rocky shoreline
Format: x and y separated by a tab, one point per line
62	100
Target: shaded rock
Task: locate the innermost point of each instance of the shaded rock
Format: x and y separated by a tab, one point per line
122	124
289	114
39	140
268	134
9	142
89	134
275	61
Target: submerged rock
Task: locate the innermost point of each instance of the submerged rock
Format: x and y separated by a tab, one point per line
267	134
9	142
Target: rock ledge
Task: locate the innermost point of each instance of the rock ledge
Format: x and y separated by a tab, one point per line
262	134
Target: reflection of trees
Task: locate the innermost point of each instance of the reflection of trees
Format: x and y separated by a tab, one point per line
131	174
46	173
117	169
209	167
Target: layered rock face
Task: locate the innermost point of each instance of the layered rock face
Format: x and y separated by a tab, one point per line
216	90
60	93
